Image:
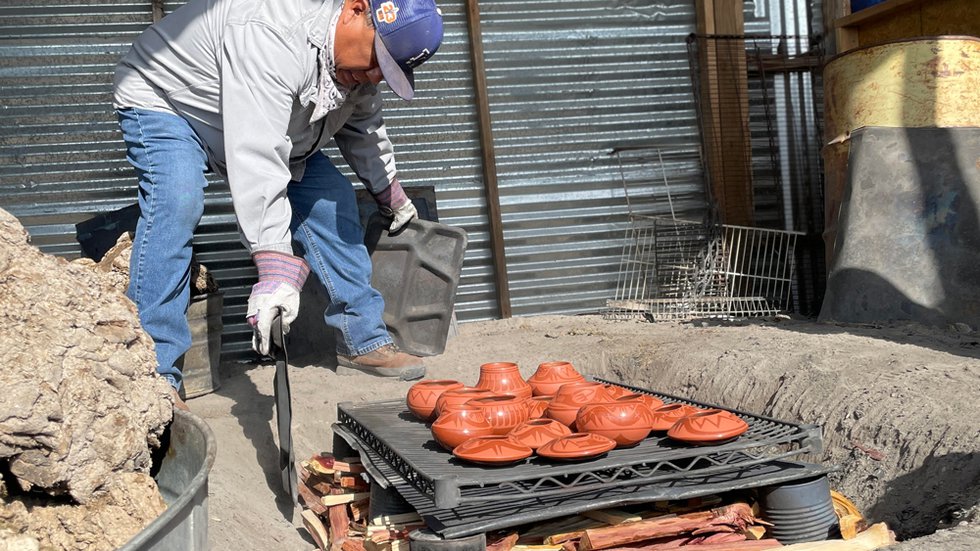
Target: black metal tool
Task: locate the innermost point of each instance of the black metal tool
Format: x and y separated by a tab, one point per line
284	410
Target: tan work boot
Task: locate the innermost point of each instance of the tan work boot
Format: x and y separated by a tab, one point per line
386	361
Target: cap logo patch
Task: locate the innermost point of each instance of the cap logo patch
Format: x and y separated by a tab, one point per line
387	13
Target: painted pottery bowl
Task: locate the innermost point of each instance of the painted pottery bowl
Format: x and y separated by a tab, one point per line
459	396
576	447
651	402
459	425
503	378
571	397
664	417
625	422
538	432
422	396
712	426
492	450
616	391
551	375
504	411
538	406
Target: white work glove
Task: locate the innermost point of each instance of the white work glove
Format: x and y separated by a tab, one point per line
393	203
281	277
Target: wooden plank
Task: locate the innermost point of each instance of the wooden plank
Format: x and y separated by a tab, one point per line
875	537
339	522
351	544
310	500
611	517
316	529
339	499
389	520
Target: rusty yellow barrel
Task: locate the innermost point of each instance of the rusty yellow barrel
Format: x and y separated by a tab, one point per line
925	82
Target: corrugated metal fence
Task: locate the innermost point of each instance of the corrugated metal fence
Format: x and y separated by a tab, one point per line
568	81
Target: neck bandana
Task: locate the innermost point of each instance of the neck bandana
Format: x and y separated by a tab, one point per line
330	94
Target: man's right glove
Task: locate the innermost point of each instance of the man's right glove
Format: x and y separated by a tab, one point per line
281	277
393	203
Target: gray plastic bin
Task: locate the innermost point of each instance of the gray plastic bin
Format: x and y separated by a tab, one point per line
183	481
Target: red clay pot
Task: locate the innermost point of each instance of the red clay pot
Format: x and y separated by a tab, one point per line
713	426
422	396
627	422
576	446
503	378
537	407
459	425
551	375
459	396
538	432
664	417
651	402
572	396
504	411
492	450
616	391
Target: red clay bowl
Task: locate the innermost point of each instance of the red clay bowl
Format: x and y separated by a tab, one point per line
459	425
551	375
576	446
538	432
503	378
492	451
615	391
538	406
504	411
664	417
459	396
651	402
422	396
626	422
713	426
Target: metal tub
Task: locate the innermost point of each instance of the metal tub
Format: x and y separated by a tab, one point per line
183	481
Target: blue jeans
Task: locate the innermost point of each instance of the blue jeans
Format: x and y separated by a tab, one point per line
170	162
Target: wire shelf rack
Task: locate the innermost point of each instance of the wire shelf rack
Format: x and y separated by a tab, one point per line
406	445
679	269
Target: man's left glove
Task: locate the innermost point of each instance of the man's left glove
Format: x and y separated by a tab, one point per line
393	203
281	277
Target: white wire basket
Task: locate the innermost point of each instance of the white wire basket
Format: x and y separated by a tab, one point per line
680	270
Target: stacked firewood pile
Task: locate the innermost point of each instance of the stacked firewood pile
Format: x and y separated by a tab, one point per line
336	496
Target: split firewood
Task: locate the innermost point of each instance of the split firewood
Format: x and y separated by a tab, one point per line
391	532
717	537
393	545
339	522
505	542
316	529
353	482
394	520
359	509
875	537
744	545
310	500
541	533
735	517
851	526
351	544
340	499
611	517
326	462
755	532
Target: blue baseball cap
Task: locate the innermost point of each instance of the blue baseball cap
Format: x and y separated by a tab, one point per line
407	33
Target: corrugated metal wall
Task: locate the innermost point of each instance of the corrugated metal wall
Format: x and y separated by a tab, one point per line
568	82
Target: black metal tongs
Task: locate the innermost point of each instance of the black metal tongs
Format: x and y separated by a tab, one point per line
284	409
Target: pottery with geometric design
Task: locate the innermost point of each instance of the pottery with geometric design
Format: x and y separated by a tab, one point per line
503	378
459	396
422	396
664	417
627	422
459	425
651	402
538	432
504	411
576	446
551	375
713	426
571	397
538	406
492	450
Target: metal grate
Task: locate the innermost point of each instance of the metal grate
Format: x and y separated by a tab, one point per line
406	445
481	515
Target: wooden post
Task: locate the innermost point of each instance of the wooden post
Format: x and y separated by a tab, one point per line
489	160
725	109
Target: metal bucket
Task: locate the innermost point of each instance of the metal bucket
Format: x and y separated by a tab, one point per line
183	481
800	511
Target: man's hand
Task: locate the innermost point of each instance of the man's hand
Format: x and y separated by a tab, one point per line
281	277
393	203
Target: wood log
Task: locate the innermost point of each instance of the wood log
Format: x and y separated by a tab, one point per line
611	517
343	498
539	533
504	543
389	520
875	537
352	544
359	509
326	462
354	483
310	500
677	544
851	526
316	529
339	522
755	532
734	517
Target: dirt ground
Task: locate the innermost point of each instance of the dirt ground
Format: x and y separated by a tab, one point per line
898	406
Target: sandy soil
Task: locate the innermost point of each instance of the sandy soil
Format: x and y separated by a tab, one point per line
897	404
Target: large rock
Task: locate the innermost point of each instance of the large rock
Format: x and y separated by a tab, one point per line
81	401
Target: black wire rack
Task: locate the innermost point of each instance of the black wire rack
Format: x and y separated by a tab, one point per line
406	445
